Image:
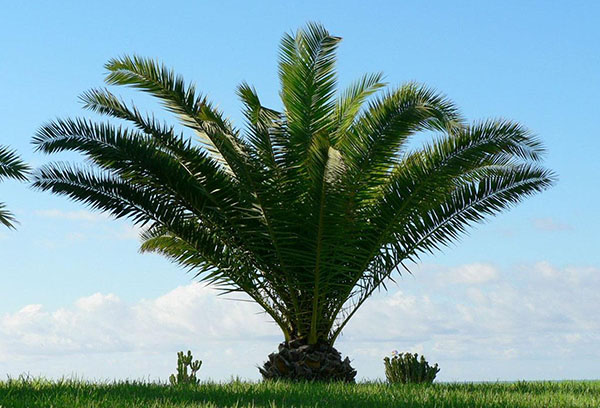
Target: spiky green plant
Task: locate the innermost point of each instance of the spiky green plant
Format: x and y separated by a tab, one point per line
11	167
308	209
405	368
186	362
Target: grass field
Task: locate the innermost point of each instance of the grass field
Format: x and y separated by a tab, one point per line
72	394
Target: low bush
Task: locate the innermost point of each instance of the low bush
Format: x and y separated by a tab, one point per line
409	368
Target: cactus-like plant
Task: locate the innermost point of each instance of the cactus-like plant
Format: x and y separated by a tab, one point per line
409	368
185	361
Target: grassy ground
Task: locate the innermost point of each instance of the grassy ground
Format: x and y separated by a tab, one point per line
74	394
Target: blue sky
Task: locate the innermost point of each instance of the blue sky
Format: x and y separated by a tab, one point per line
535	62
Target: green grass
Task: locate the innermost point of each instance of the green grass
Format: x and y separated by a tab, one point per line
74	394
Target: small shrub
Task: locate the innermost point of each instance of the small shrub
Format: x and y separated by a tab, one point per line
185	361
405	368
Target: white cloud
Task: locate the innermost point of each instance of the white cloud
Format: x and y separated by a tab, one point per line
102	323
470	274
549	224
501	325
128	231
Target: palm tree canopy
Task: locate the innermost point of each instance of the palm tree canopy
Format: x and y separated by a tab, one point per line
11	167
308	209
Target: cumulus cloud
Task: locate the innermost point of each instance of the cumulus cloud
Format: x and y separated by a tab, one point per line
104	323
484	323
546	313
476	273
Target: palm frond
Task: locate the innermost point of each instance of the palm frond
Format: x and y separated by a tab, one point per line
308	83
6	217
194	110
11	166
350	103
374	143
308	210
263	125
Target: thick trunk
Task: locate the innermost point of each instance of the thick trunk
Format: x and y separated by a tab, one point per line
298	361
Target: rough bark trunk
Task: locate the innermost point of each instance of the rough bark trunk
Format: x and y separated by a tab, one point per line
297	361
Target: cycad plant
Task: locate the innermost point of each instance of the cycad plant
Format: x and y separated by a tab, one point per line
11	167
307	209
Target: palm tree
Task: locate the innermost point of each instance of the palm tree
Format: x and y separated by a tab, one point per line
308	209
11	167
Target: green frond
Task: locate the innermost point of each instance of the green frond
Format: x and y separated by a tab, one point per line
377	139
193	109
500	189
11	166
308	210
105	192
350	103
6	217
308	83
263	125
444	222
181	172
